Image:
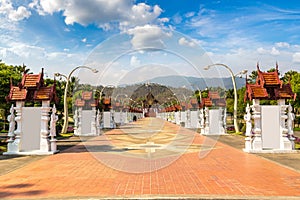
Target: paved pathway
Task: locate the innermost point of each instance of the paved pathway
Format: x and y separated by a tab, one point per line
151	159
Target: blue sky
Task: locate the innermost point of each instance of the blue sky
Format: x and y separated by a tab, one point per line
62	34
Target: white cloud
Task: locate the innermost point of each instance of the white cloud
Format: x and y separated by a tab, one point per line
148	36
13	14
296	57
183	41
282	45
189	14
274	52
134	61
84	40
261	50
105	14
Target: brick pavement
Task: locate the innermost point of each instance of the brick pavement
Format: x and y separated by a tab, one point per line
177	163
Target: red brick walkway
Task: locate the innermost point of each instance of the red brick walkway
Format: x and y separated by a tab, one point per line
108	170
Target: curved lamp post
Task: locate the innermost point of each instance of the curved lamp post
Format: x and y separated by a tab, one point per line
66	115
236	127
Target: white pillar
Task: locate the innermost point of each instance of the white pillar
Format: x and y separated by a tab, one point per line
93	122
112	119
11	130
285	143
53	120
44	142
188	119
75	117
225	119
257	142
201	120
98	121
126	117
290	123
16	144
79	121
206	114
247	118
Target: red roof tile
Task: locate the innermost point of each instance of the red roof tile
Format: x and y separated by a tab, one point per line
44	93
285	92
271	78
79	102
86	95
214	95
256	92
31	80
206	102
17	94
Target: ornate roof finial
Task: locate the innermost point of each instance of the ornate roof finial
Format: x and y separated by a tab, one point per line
276	66
24	67
10	82
257	66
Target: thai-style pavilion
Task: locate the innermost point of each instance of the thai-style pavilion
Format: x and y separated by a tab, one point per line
268	86
272	131
31	135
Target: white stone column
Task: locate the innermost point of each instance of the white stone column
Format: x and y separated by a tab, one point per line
257	142
79	121
225	119
18	132
221	120
93	122
75	117
201	120
206	114
98	121
188	119
44	142
285	143
290	123
53	120
247	118
112	119
11	130
126	117
177	118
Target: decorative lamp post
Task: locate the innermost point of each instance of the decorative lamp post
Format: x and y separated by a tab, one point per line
66	115
236	127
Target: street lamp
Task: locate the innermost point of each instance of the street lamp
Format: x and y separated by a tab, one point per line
236	127
66	115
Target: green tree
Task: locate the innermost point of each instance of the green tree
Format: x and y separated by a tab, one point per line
7	73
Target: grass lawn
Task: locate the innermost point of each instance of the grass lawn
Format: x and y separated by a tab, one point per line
297	129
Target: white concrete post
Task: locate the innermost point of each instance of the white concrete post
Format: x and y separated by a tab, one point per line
75	117
247	118
79	121
225	120
290	123
257	142
93	122
206	114
221	120
112	119
11	130
285	143
126	117
18	132
53	121
201	120
188	118
44	142
98	121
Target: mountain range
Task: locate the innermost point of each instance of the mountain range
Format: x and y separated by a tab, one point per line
197	83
